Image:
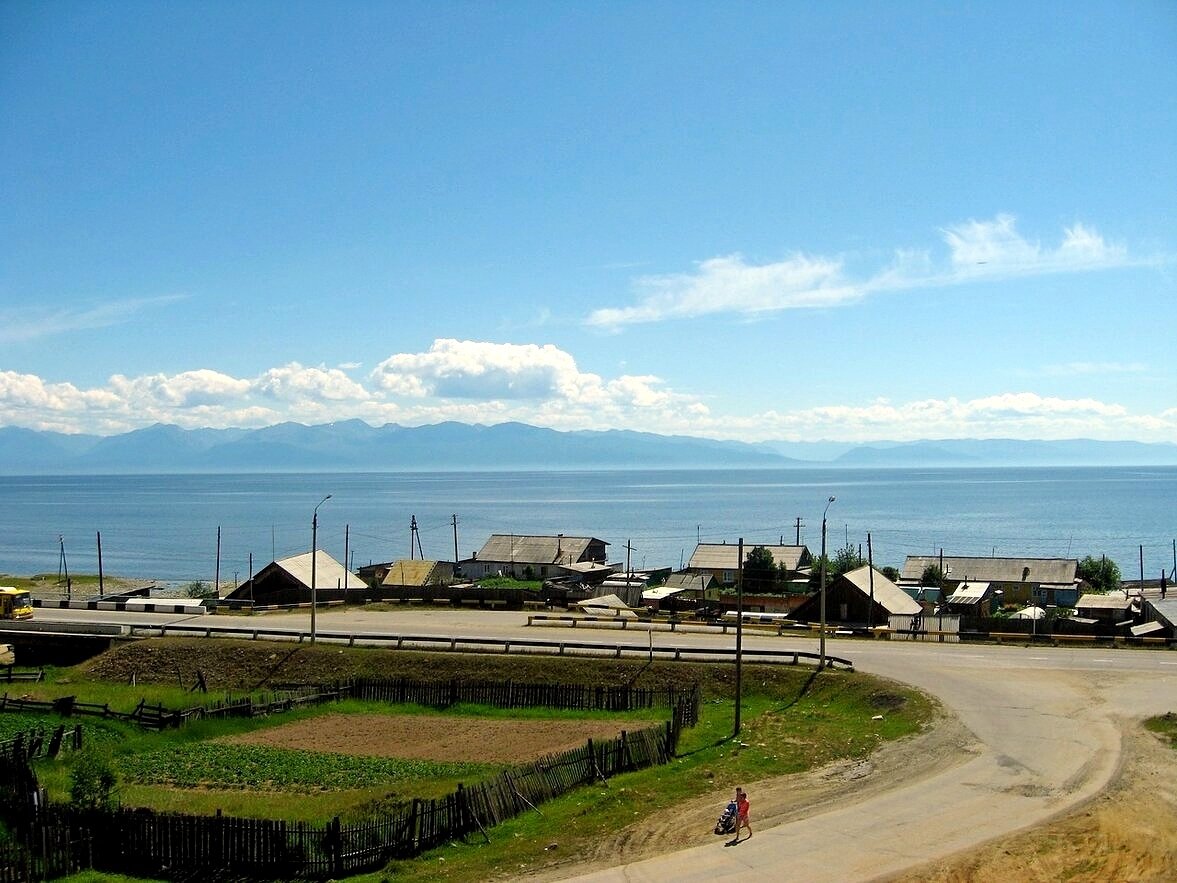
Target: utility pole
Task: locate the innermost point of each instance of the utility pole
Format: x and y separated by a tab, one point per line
251	576
217	577
63	567
454	521
628	548
314	559
346	551
412	535
822	652
798	531
1142	568
101	592
739	633
870	563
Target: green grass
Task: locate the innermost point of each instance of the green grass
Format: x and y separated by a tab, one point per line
1164	726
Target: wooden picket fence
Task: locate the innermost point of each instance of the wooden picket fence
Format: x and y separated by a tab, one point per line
171	845
55	840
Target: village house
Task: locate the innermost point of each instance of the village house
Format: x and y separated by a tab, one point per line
721	560
972	599
1113	608
1160	619
1042	581
415	573
533	557
288	581
859	597
682	591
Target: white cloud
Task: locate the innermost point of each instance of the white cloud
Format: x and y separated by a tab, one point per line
977	250
35	322
470	369
293	382
730	284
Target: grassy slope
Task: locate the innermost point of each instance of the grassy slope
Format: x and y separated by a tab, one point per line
792	721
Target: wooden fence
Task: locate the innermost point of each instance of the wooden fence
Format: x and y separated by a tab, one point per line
171	845
56	840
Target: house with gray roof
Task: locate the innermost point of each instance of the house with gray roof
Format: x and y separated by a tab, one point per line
533	557
722	560
1047	581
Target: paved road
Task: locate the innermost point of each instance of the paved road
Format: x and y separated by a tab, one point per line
1046	723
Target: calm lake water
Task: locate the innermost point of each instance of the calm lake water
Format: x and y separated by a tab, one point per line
165	527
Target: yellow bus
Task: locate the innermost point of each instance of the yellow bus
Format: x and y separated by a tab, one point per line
15	603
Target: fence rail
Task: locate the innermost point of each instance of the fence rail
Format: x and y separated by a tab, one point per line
504	645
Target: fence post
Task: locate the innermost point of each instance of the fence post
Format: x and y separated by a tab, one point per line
335	846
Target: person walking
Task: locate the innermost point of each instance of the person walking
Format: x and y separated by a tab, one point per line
742	815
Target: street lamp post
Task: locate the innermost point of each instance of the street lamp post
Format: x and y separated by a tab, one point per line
314	556
822	637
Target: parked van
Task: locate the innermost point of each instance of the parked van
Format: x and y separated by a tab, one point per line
15	603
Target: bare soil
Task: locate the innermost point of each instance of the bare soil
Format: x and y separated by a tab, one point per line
437	737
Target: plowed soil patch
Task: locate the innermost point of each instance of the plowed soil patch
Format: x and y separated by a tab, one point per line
437	737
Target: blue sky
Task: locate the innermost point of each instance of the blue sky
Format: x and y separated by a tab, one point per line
842	221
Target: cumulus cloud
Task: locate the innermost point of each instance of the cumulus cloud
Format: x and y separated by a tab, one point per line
293	381
977	250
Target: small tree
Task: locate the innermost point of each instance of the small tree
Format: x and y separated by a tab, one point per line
759	571
197	589
933	577
891	573
1102	573
845	560
91	781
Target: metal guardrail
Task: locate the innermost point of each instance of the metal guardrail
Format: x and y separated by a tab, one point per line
508	645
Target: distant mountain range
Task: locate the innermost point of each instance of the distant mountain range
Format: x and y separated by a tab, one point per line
353	446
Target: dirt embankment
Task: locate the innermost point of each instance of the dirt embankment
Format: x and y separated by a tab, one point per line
1127	833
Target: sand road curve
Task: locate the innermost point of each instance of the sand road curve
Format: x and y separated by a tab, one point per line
1040	732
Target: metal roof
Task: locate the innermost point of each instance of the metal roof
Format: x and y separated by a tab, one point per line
409	572
329	573
969	593
697	581
521	549
1165	610
1114	601
725	556
661	592
1050	571
892	598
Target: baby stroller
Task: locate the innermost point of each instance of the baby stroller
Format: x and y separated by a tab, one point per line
727	820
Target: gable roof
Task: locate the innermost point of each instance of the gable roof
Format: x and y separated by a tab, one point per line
725	556
1114	601
969	593
680	581
888	595
410	572
329	573
535	549
1050	571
